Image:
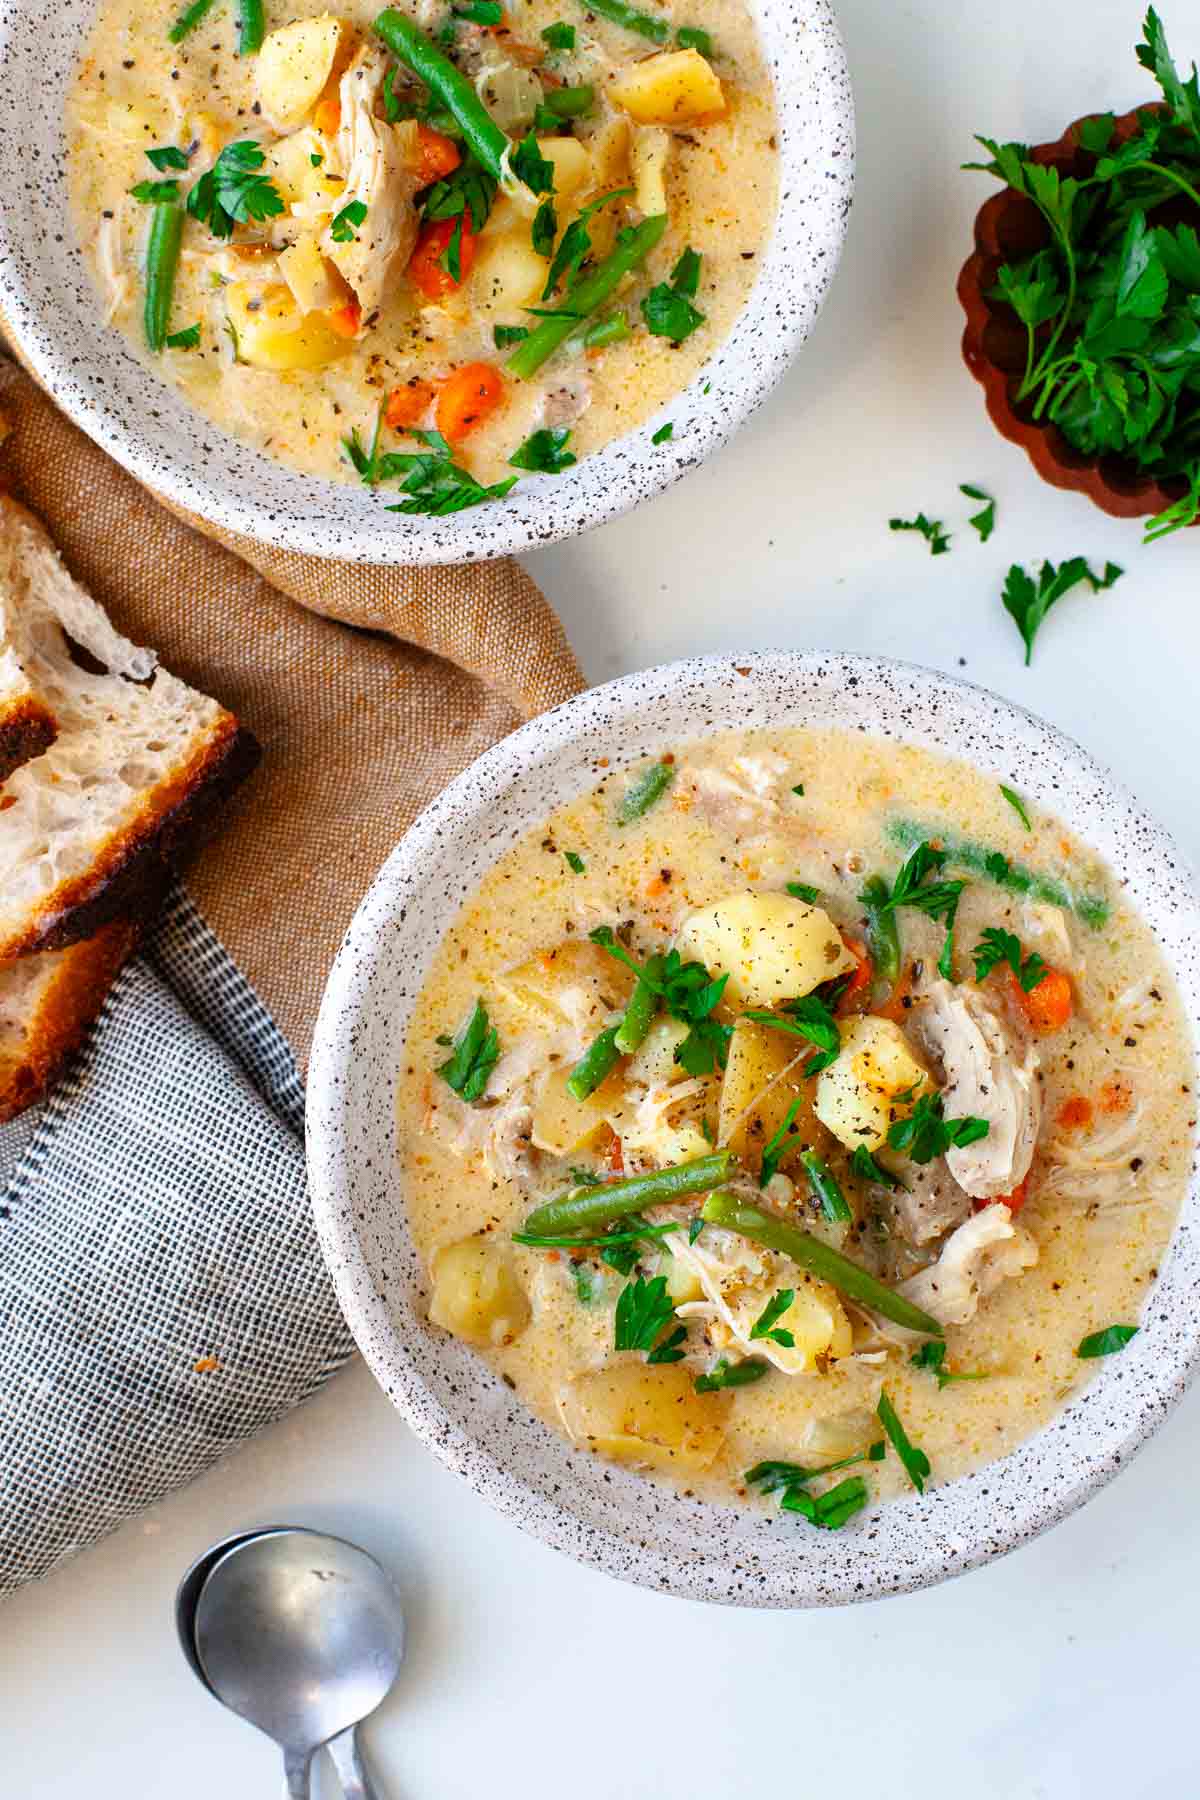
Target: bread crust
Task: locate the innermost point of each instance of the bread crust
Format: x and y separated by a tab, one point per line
74	991
132	872
27	727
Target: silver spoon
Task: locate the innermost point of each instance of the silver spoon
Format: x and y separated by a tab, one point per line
300	1634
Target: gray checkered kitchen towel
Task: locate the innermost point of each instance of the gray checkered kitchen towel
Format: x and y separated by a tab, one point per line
162	1295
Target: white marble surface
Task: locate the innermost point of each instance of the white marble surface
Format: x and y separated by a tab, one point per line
1058	1674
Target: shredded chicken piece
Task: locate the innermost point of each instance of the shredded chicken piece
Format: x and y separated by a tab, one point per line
380	167
508	1154
115	278
733	1274
974	1260
566	402
933	1204
747	799
987	1074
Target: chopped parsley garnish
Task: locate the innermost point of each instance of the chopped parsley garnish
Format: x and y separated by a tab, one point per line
1028	602
765	1327
689	993
932	530
559	36
187	339
234	190
544	229
576	242
1018	805
451	257
799	789
468	189
984	521
997	946
155	193
344	229
668	1350
725	1374
664	434
830	1510
774	1147
644	790
434	483
936	899
643	1309
697	1224
545	451
693	37
1106	1342
864	1165
480	12
530	166
667	308
574	861
476	1053
932	1356
800	890
168	157
926	1134
811	1020
916	1463
503	336
316	159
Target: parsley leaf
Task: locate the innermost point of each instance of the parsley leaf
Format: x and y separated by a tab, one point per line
831	1510
544	451
344	229
725	1374
644	1307
168	157
810	1019
926	1134
1018	805
693	37
764	1326
670	314
668	1350
434	483
1028	602
932	530
576	242
984	521
916	1463
664	434
574	861
800	890
931	1356
468	189
530	166
544	229
187	339
476	1053
234	191
1106	1342
505	335
690	995
774	1147
1183	97
559	36
864	1165
644	790
998	946
936	899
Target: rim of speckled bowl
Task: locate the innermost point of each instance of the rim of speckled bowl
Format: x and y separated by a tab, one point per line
605	1516
55	316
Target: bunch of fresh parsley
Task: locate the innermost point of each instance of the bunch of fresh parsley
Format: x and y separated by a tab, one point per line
1111	304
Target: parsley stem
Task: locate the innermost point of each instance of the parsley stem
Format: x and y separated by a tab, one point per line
189	18
162	261
586	295
826	1188
483	136
597	1061
619	13
583	1207
827	1264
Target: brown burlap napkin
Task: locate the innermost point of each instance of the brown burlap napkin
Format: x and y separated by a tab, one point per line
360	728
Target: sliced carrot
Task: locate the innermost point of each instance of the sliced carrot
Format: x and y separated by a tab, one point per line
1049	1005
407	406
437	155
425	269
614	1156
858	987
1075	1113
468	397
327	115
345	320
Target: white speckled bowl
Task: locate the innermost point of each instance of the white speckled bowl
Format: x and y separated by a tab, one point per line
50	304
596	1511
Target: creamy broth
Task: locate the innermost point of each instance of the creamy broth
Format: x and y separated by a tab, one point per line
1113	1090
135	91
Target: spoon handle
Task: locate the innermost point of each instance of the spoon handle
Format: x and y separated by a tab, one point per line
297	1765
356	1783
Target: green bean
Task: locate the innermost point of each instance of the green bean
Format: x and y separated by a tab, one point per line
882	929
586	295
569	102
643	1005
162	260
585	1207
189	18
657	30
597	1061
825	1187
1093	908
613	330
819	1259
251	26
447	85
644	790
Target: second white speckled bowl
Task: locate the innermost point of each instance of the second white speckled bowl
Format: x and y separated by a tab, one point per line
593	1509
52	307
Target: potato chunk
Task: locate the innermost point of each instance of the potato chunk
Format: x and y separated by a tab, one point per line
476	1293
772	947
272	332
676	88
755	1094
651	146
572	165
654	1065
856	1095
572	982
289	166
315	284
562	1125
508	274
294	65
650	1417
816	1321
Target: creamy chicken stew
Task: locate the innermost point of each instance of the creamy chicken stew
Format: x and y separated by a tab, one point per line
433	249
803	1116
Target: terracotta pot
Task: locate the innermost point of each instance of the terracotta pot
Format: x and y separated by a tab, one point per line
1008	228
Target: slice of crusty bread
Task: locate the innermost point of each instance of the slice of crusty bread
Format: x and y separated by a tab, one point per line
47	1003
138	762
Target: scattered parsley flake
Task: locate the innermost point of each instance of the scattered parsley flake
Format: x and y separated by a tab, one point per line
664	434
1106	1342
985	520
916	1463
932	530
765	1327
1018	805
